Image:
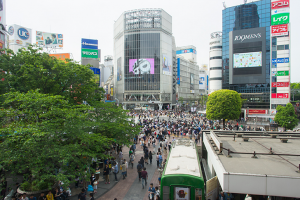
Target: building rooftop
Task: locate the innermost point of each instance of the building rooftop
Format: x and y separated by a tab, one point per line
183	159
186	47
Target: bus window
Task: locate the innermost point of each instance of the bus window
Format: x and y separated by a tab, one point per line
166	192
198	194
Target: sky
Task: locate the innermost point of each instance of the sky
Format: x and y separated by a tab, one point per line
193	21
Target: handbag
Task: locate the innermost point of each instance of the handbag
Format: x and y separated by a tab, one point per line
95	183
90	188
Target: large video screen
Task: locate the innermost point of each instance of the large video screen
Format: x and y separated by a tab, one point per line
141	66
251	59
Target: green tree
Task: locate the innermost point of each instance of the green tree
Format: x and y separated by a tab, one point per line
181	100
29	69
47	138
202	100
286	117
224	104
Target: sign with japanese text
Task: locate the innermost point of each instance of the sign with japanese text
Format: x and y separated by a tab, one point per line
279	30
280	4
282	73
280	10
280	84
280	95
280	60
251	112
283	18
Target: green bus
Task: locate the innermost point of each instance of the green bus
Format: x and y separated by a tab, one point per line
182	177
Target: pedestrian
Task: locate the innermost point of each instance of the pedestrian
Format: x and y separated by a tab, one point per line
150	157
126	163
142	161
106	174
165	153
160	159
42	196
157	159
151	191
139	170
115	171
81	196
144	176
124	170
49	196
93	182
92	196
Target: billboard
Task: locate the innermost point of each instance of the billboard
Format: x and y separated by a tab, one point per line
90	53
119	69
280	84
3	12
280	4
95	70
251	59
20	35
282	73
283	18
202	81
186	51
89	44
141	66
167	65
61	56
280	10
46	39
279	30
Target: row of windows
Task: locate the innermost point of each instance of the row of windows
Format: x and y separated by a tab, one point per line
216	47
281	47
215	57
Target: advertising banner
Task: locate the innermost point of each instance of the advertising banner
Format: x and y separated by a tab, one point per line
282	73
167	65
280	60
89	44
186	51
182	193
95	70
280	4
279	30
61	56
49	39
280	95
90	53
280	84
283	18
280	10
212	186
201	81
3	12
20	35
141	66
178	71
119	69
251	112
251	59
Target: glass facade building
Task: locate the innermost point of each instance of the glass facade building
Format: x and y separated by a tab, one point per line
143	43
250	16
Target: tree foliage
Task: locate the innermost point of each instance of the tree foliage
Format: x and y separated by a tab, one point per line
30	69
224	104
286	117
47	133
47	138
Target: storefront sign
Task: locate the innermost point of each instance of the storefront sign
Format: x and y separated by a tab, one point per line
280	10
280	95
280	84
283	18
279	30
283	73
280	4
280	60
89	53
247	37
251	112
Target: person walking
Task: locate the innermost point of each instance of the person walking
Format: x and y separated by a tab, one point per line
93	182
157	159
160	159
139	170
124	169
150	157
144	176
106	174
151	191
115	171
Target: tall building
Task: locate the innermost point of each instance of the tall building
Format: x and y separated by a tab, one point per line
215	62
246	52
143	50
187	52
3	31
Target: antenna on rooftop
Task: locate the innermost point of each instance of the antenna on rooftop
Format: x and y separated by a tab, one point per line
224	5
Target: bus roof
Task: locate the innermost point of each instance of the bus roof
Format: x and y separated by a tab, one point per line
183	159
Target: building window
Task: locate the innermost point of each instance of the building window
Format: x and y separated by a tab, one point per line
216	47
216	57
280	47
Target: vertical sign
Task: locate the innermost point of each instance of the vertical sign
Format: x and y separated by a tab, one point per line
178	71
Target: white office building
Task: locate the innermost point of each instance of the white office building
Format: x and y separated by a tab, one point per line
215	62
